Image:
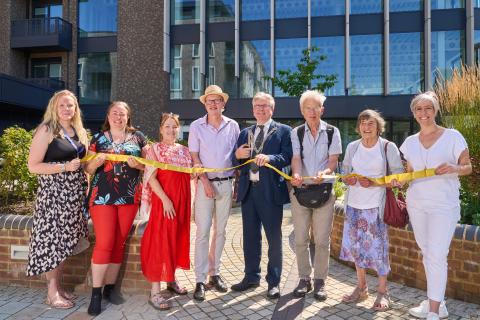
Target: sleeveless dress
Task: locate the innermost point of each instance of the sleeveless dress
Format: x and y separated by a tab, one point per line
58	220
166	242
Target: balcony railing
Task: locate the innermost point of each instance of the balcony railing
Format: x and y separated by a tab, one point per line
41	34
50	83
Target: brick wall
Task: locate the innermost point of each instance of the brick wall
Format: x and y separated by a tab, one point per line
406	259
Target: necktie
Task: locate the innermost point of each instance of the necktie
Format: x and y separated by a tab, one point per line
257	149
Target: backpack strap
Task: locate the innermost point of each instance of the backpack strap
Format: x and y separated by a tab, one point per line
301	135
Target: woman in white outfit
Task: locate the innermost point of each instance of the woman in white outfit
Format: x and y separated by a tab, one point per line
433	203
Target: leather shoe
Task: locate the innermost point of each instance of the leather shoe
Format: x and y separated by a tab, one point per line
304	286
199	293
218	283
273	292
319	292
244	285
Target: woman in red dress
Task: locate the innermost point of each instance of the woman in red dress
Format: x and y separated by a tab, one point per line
166	199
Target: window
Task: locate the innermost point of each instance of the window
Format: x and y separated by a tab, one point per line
222	57
211	75
195	50
333	48
177	51
184	11
47	68
97	18
195	79
255	64
328	8
366	64
47	9
406	5
255	10
288	53
477	46
406	63
290	9
366	6
448	52
176	79
221	10
96	71
447	4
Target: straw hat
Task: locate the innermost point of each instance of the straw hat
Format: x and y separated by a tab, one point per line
214	89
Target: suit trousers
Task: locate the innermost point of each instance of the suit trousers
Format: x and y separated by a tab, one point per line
257	212
320	221
433	229
211	212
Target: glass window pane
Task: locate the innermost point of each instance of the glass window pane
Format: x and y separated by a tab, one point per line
184	11
97	18
347	131
40	70
221	10
477	46
290	8
366	6
185	72
255	64
328	8
401	130
406	5
406	63
476	3
255	10
96	74
334	49
448	52
447	4
55	70
366	64
288	53
221	66
56	11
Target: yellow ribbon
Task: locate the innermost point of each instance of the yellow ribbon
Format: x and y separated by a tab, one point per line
400	177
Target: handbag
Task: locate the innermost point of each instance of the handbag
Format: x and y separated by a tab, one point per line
395	213
313	195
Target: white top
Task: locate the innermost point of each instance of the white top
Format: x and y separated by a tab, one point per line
369	163
256	176
440	191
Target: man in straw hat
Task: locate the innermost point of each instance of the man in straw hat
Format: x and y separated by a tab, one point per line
211	142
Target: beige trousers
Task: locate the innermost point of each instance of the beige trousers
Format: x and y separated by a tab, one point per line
320	221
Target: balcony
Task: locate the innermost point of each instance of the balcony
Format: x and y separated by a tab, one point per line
23	93
53	34
50	83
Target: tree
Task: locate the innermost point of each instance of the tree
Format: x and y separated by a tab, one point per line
294	83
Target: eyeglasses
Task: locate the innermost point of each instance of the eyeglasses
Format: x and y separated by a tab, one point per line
261	106
214	101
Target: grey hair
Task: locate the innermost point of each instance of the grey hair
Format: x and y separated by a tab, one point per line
429	96
315	95
264	96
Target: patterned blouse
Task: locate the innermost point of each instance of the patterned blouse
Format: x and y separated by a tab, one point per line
115	183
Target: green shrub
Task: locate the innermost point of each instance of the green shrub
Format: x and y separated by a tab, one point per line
16	182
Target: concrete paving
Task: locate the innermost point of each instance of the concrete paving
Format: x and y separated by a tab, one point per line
26	303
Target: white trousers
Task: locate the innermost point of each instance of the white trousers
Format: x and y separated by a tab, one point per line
211	212
433	229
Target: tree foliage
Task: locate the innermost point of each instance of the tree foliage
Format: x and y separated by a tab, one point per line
16	182
294	83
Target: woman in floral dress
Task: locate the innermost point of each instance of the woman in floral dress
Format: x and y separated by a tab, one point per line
114	198
167	200
365	237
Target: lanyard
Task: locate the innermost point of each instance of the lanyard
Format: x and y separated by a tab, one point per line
71	141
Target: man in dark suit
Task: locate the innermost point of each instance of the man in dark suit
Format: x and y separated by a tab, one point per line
263	192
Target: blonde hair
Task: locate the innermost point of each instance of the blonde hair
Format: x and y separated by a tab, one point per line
314	95
51	122
264	96
368	114
165	117
106	124
428	96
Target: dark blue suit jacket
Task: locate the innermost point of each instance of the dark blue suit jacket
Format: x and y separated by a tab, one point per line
278	147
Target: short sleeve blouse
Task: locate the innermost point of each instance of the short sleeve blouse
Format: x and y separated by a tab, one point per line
116	183
438	191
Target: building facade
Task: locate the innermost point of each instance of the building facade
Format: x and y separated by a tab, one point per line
159	55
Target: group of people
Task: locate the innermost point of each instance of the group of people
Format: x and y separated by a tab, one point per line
311	151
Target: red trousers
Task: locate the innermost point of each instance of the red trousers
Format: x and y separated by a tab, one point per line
112	224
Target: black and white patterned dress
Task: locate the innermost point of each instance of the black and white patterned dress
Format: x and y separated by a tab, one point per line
58	221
